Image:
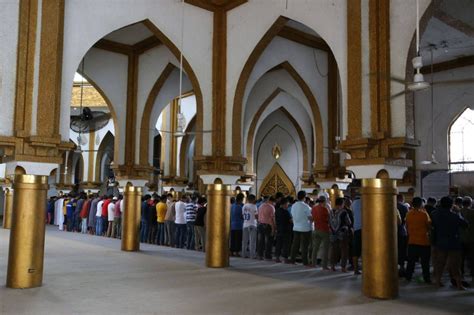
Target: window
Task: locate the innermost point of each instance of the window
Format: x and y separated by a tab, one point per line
461	135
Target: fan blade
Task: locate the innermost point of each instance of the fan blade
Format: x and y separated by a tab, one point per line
166	131
199	132
398	94
384	75
449	82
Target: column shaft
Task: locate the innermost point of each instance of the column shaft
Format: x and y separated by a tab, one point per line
333	195
26	252
7	212
218	225
131	218
379	238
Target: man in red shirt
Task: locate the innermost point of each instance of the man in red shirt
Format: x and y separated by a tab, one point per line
105	214
321	231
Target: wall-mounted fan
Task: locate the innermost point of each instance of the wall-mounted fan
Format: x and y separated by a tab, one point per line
88	120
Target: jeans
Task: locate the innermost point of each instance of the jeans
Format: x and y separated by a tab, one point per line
416	252
170	233
84	226
320	238
180	235
153	228
190	235
249	241
160	235
282	244
300	243
144	232
200	237
98	226
265	240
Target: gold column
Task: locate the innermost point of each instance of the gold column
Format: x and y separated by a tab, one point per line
8	209
218	225
131	219
26	252
379	238
333	195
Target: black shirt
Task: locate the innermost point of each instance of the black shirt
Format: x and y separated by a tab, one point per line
200	216
283	220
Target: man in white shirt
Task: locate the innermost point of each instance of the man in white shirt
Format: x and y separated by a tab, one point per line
302	220
249	236
111	215
98	218
180	222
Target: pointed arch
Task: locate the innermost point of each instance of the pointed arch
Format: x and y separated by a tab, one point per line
190	74
184	145
102	149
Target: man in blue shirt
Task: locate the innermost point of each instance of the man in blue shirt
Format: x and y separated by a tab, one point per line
357	238
236	226
302	220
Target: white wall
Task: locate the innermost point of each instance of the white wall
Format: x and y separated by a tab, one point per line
8	55
278	129
449	102
87	21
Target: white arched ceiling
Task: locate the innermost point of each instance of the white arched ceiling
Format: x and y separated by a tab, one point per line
87	21
108	70
294	107
277	128
168	92
307	61
267	85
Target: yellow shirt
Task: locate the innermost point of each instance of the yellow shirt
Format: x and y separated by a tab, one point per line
161	212
66	201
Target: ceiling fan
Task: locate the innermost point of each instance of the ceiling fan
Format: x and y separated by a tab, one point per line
87	121
419	83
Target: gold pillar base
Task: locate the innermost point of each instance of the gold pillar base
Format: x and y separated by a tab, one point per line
8	209
132	197
26	252
379	238
218	225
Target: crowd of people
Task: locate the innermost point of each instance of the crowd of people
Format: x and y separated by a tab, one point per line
438	234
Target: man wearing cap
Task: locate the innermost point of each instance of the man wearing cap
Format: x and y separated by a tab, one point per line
110	215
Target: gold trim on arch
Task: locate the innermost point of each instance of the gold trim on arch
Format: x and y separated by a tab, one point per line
191	76
252	132
277	171
242	83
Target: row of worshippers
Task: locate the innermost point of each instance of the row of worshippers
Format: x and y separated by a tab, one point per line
93	214
277	228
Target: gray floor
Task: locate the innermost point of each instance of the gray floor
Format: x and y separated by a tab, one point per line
90	275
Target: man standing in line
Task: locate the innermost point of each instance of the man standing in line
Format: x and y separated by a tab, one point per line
91	224
144	219
105	214
84	214
302	220
236	226
283	230
402	234
180	222
169	221
110	215
77	212
320	235
266	229
467	236
98	217
117	225
191	210
418	227
160	218
357	237
340	228
249	232
200	225
447	241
